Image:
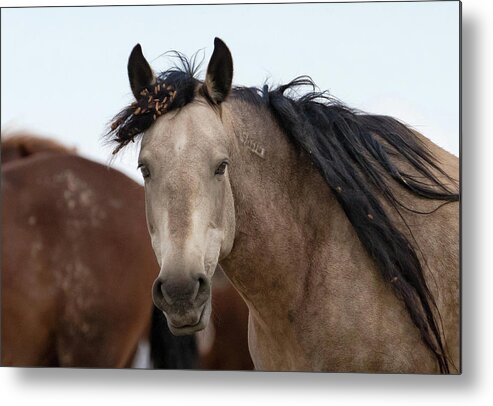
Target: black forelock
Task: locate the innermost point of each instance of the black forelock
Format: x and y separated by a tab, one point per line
174	88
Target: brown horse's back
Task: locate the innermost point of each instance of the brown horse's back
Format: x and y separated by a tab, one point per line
24	145
72	284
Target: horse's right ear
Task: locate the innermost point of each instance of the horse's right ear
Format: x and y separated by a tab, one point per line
139	72
219	74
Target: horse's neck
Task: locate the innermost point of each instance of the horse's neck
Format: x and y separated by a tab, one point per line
284	210
297	260
285	260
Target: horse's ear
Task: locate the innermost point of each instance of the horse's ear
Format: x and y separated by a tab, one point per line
219	73
139	72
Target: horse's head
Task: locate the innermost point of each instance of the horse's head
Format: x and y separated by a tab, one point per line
184	160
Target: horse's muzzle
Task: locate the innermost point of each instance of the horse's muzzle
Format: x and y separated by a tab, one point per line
184	301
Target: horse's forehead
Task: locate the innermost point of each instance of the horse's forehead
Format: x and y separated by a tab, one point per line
194	125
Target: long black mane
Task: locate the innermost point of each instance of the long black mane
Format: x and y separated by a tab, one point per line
355	153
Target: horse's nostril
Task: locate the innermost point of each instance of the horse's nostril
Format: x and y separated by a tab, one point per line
159	293
203	285
202	281
162	290
163	293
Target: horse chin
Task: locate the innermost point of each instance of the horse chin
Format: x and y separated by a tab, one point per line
177	328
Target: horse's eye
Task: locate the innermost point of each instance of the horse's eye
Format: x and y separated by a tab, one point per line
144	171
221	168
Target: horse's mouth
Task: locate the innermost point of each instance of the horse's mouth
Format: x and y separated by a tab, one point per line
186	329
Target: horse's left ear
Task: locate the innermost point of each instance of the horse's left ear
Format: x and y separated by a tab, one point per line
140	73
219	73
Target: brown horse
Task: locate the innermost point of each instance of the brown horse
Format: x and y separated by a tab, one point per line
340	229
77	267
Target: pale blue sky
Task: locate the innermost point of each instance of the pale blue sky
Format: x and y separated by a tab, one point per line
64	69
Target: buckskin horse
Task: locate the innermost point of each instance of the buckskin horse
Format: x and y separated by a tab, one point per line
340	229
77	266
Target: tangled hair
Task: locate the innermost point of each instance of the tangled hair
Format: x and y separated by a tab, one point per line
173	89
352	150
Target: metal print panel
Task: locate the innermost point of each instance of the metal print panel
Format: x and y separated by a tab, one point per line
295	205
